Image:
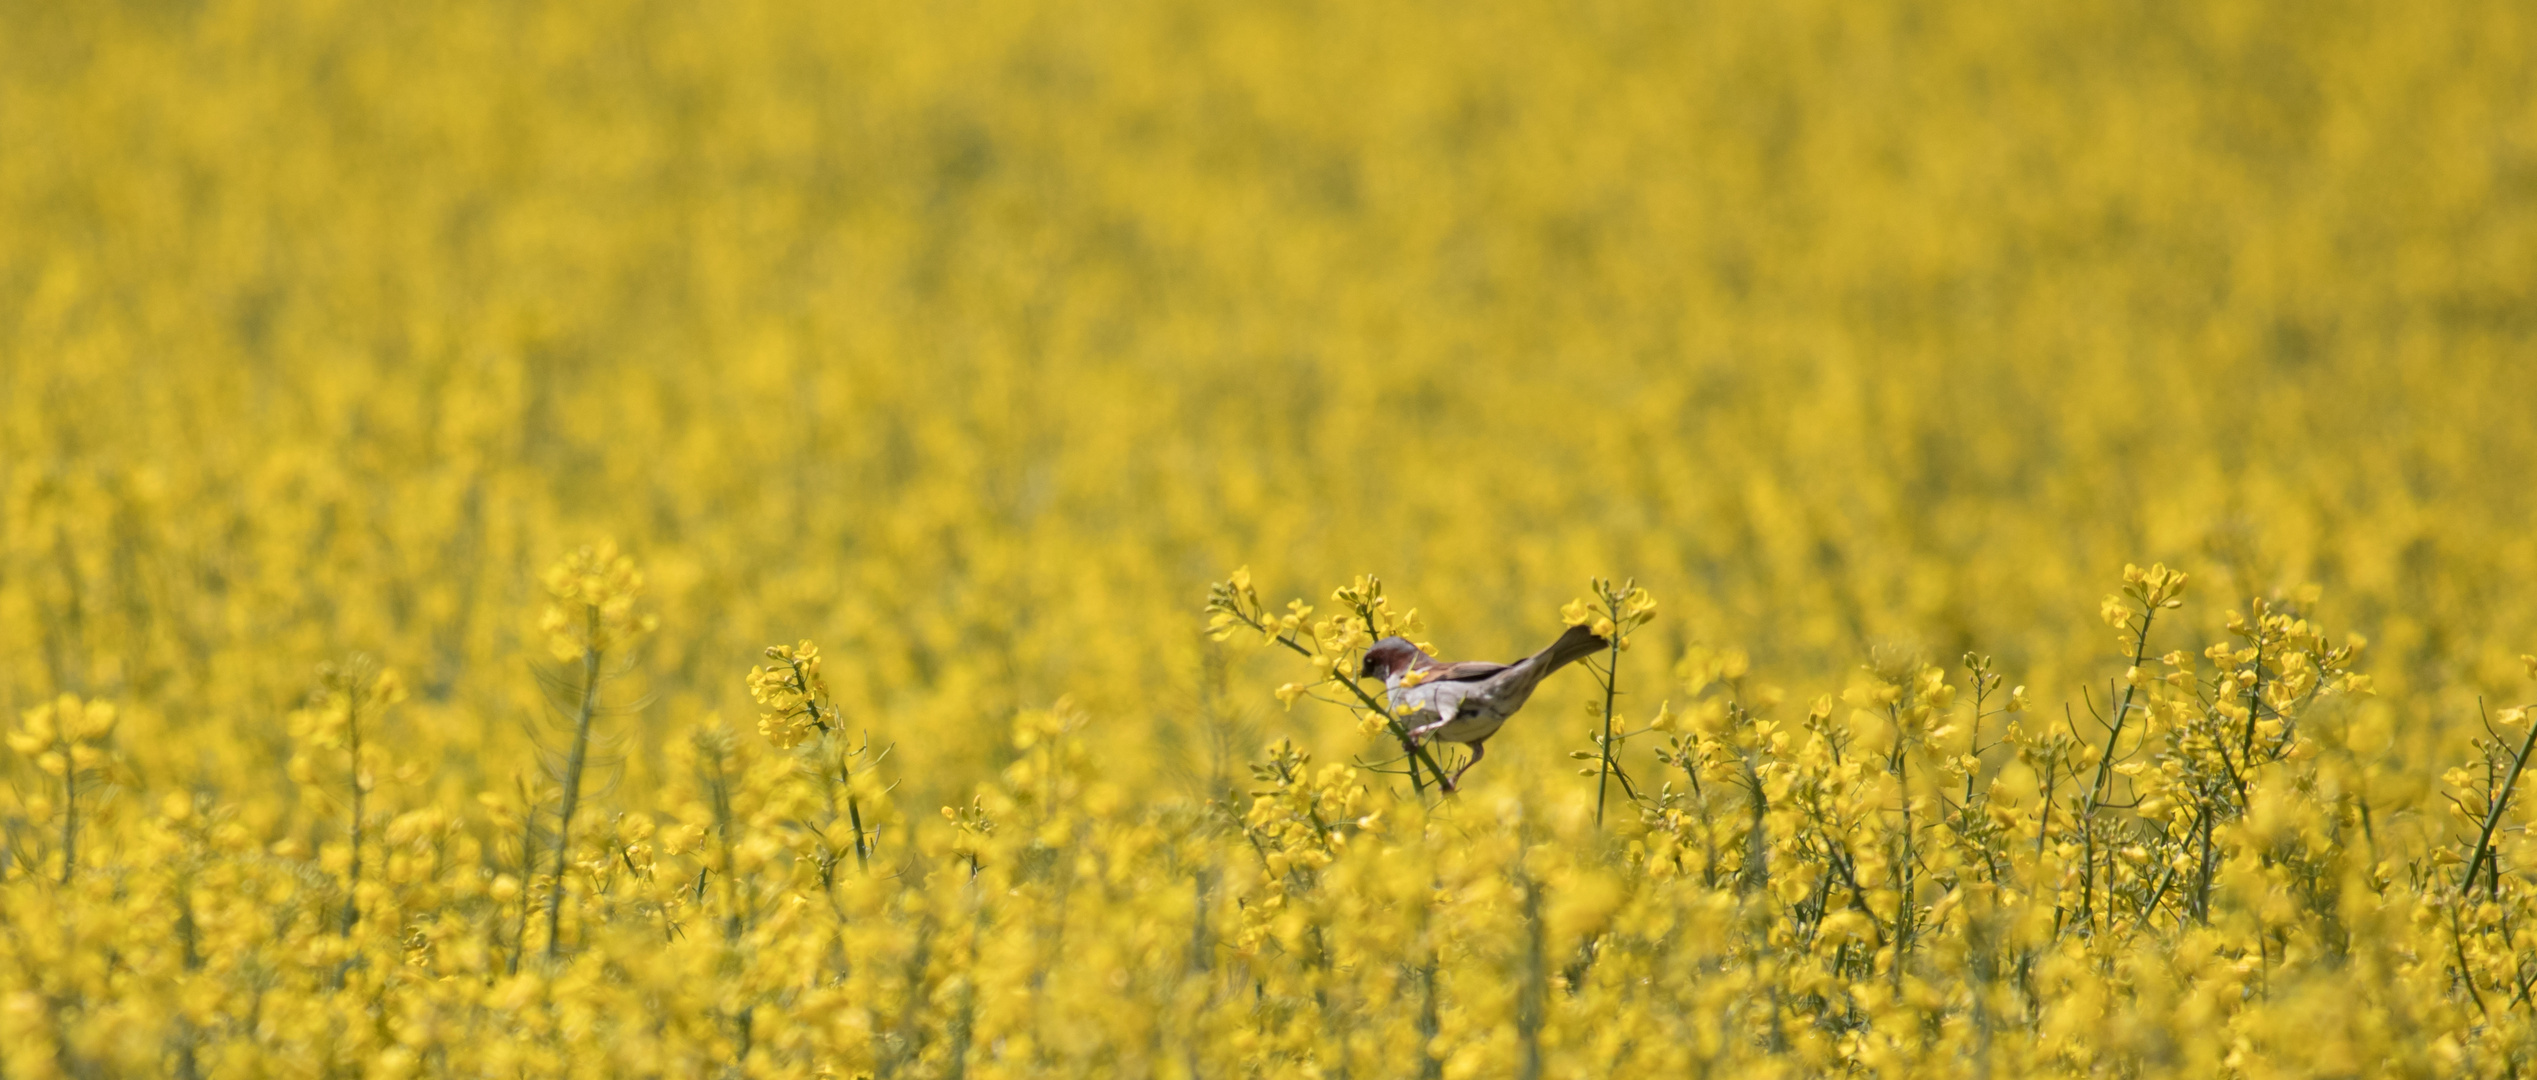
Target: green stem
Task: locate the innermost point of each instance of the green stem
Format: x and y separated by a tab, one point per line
2105	775
2105	764
352	888
2493	814
572	788
2245	763
1903	867
862	852
845	773
1611	689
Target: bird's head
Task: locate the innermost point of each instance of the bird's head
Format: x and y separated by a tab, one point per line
1389	657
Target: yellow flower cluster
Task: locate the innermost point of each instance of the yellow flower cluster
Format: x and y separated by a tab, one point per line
65	736
590	608
1613	612
790	692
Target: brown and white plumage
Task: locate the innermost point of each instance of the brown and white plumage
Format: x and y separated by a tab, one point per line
1466	701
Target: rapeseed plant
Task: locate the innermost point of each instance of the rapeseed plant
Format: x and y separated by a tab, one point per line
590	616
1612	614
348	694
66	739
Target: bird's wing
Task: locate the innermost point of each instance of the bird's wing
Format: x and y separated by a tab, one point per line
1464	671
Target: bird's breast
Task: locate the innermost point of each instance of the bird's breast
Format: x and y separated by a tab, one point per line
1421	698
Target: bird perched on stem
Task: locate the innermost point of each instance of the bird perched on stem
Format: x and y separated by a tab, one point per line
1466	701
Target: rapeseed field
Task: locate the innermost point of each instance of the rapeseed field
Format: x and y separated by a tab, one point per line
781	539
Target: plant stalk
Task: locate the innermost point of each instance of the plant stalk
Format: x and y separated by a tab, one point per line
1611	690
352	731
2493	813
572	788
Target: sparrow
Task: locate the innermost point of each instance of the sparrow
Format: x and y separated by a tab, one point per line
1466	701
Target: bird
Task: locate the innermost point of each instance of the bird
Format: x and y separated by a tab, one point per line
1465	701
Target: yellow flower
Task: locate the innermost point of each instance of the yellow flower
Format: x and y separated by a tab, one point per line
591	607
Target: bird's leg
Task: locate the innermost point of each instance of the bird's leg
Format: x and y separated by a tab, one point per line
1443	717
1478	747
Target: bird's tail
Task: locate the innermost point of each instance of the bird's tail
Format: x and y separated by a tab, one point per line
1577	644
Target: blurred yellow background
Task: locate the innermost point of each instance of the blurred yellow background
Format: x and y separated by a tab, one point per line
972	339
